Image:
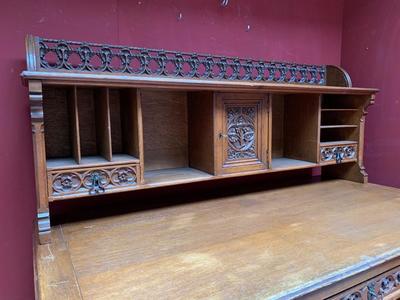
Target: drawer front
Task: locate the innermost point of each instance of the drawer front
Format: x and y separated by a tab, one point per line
75	182
336	154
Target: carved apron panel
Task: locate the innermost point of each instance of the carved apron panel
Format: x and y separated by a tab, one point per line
338	154
91	181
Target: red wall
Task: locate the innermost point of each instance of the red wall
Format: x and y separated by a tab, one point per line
371	54
304	31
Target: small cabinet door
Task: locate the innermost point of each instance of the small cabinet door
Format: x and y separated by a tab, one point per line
242	135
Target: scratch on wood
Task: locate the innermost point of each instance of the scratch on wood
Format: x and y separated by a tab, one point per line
56	284
50	256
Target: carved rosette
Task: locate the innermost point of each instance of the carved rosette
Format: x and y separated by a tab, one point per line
123	176
91	57
66	182
90	181
338	153
241	132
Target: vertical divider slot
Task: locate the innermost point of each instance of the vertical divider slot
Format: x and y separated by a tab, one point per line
124	121
103	126
94	125
74	123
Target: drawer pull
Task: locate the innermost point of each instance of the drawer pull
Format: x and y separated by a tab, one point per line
339	154
96	185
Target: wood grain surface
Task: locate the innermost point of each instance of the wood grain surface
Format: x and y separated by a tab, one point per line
257	245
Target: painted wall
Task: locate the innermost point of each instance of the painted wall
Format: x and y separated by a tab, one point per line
370	53
307	31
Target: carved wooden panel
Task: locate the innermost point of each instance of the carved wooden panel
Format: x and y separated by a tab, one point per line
241	131
338	153
242	134
91	181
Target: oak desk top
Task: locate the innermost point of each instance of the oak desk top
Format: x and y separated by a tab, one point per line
260	245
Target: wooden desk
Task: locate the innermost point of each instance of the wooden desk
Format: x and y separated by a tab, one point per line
313	241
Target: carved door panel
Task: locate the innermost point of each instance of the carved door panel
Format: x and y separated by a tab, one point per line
242	132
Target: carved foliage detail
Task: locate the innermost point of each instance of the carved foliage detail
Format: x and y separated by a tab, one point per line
91	57
92	181
241	132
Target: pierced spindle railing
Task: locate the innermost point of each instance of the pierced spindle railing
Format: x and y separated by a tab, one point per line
70	56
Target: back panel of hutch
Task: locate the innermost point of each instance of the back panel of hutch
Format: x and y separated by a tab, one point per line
109	119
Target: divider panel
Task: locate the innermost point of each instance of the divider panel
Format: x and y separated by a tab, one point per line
74	124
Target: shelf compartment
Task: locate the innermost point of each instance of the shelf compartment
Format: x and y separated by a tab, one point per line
335	117
336	102
90	126
339	133
295	127
94	122
124	122
175	134
61	123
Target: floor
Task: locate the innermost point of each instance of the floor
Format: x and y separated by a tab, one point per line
257	245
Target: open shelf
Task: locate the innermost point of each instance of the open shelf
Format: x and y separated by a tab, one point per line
339	134
288	163
174	175
295	129
342	102
177	137
345	117
340	119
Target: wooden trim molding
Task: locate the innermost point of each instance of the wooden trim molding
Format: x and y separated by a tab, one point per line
140	81
371	279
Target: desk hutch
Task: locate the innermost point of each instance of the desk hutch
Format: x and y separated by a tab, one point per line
109	119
